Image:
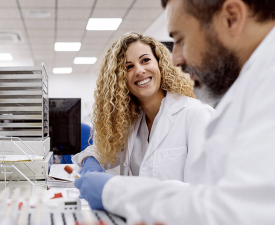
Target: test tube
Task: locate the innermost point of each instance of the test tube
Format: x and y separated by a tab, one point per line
70	170
4	195
88	217
39	208
10	212
24	214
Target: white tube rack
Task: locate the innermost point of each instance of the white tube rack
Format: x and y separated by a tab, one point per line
8	168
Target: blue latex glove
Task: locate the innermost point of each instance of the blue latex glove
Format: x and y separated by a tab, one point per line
90	164
91	186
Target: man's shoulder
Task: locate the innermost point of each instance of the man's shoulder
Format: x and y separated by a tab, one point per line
196	105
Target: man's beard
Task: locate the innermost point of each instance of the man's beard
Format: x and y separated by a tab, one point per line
218	71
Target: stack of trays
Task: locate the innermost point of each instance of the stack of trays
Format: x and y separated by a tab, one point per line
24	104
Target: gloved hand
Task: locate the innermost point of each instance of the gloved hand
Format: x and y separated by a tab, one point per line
90	164
91	186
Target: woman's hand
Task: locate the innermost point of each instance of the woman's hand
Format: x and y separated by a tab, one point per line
91	186
92	165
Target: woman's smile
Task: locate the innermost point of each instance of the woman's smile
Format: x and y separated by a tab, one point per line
145	82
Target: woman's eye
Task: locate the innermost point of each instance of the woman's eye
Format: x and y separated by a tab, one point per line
146	60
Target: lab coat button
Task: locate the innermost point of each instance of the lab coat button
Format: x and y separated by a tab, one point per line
144	164
125	164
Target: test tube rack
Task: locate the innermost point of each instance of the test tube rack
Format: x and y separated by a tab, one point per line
30	207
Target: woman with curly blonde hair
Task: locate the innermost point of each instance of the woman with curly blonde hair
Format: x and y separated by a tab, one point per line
145	116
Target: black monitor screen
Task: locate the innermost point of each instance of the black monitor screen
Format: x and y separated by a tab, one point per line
65	125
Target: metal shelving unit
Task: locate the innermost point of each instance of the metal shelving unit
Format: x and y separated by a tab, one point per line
24	104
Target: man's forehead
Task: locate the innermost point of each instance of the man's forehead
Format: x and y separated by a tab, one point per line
176	17
174	7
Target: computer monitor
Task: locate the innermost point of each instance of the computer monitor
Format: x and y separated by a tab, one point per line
169	45
65	125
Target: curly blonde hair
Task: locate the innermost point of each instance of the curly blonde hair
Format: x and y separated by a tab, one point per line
115	109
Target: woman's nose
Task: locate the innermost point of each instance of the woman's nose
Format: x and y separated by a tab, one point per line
140	71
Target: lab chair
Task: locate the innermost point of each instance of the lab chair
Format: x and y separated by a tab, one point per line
85	135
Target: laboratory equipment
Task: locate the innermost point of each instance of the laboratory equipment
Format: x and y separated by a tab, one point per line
41	147
71	171
31	208
24	124
36	170
24	110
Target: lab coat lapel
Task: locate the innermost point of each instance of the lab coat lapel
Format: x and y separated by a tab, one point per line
165	122
132	138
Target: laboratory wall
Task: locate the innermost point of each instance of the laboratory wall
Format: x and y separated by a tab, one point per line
75	86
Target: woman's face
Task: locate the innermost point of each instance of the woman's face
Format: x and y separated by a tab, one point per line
143	74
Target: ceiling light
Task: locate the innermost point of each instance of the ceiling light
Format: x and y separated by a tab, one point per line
67	46
64	70
85	60
10	36
5	57
103	23
39	14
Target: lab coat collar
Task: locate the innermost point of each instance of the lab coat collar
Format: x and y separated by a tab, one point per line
262	57
264	53
173	104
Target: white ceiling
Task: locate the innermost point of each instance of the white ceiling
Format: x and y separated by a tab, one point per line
158	29
67	22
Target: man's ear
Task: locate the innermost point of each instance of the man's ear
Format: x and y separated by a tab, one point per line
232	17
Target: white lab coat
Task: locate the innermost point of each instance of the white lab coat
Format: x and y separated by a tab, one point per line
174	145
233	182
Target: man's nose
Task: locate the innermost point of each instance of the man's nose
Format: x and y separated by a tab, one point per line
177	57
